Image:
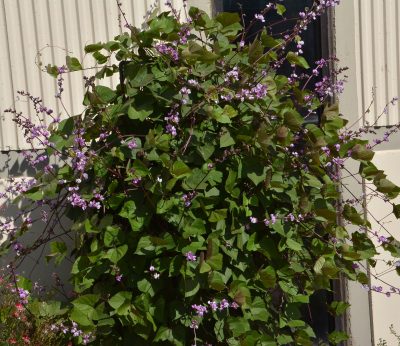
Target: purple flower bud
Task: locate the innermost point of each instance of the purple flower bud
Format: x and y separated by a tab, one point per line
253	219
190	257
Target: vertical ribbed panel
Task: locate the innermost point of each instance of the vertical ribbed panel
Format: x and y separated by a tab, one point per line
55	28
379	56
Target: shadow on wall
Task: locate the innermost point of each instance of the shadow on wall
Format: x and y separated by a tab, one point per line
33	265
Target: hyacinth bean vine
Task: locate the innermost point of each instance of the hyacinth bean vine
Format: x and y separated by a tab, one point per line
205	211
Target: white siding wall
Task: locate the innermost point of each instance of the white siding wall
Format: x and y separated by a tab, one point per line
64	27
368	42
377	47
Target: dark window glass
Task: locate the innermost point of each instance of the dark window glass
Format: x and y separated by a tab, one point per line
311	37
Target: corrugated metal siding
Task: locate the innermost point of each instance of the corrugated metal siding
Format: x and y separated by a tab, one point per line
61	27
378	55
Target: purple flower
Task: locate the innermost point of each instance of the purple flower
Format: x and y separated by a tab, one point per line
185	91
77	201
234	305
95	205
253	219
260	91
119	277
382	239
224	304
232	76
74	330
199	309
162	48
18	247
194	325
86	338
132	144
190	257
171	129
64	329
193	82
259	17
213	305
23	296
136	181
273	218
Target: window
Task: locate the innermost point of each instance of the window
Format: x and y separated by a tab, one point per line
313	48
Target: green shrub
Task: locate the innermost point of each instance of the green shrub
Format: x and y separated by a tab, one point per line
204	209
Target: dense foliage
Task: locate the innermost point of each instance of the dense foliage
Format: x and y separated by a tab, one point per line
204	209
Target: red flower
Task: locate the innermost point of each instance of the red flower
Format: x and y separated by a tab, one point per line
26	339
12	341
19	306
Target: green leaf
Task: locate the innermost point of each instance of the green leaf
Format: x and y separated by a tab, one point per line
128	210
256	51
140	113
254	170
58	251
196	228
219	330
298	60
73	64
111	235
83	310
180	170
337	337
396	210
215	261
258	310
360	152
338	308
238	325
191	287
218	215
216	281
351	214
137	75
121	302
204	267
319	264
106	94
280	9
227	18
90	48
268	277
294	245
116	254
194	52
206	151
164	334
226	140
292	119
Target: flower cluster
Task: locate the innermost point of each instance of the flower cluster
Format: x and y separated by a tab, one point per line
164	49
214	306
73	331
